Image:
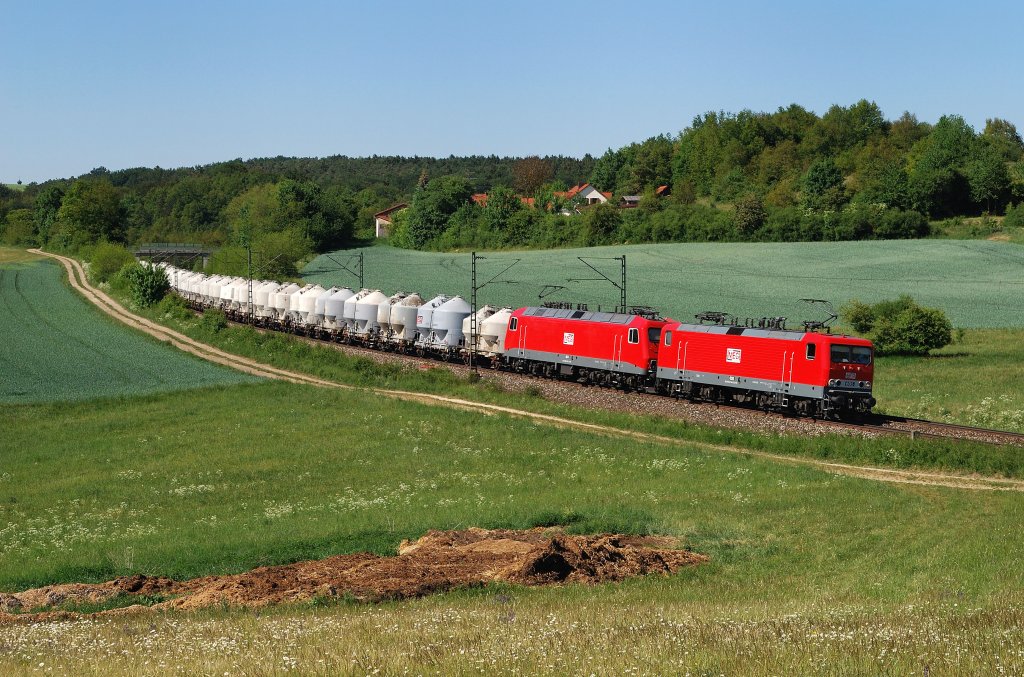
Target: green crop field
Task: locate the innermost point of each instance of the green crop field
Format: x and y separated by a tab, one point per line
977	283
810	571
54	346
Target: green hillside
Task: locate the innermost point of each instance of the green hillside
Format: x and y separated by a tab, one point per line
977	283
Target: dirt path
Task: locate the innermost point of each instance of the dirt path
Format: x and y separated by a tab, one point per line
77	277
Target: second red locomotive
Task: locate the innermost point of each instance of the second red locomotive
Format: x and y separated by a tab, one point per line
611	349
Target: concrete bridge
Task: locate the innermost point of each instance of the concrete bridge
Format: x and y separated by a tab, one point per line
175	252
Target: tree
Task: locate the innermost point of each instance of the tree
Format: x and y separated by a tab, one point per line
750	214
650	166
47	206
19	230
1004	138
502	205
253	212
433	205
606	169
938	166
823	185
92	207
599	223
325	218
988	177
530	173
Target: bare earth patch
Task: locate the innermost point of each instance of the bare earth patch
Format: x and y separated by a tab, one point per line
439	561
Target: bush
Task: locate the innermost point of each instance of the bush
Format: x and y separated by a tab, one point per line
899	326
145	284
173	307
1014	216
107	260
214	320
901	225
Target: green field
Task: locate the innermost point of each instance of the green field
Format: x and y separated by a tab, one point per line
54	346
810	571
977	283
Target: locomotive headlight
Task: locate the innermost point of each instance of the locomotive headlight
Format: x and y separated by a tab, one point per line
831	381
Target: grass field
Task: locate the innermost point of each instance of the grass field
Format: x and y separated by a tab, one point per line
977	381
810	571
977	283
54	346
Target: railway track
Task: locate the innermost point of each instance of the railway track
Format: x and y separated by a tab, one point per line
917	427
877	423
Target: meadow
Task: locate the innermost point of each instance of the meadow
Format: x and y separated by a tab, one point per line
979	381
977	283
57	347
809	571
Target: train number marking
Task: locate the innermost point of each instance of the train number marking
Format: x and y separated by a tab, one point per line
733	355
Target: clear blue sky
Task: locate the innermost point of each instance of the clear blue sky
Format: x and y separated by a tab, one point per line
173	83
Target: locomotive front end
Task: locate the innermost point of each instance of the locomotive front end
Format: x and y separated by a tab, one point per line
850	375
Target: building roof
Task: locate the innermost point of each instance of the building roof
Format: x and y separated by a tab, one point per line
390	210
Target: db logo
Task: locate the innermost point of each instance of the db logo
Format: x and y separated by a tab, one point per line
733	355
568	338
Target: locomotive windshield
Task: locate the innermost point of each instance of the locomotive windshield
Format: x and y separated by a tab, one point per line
851	355
654	334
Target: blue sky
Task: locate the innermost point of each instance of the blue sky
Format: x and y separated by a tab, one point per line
127	84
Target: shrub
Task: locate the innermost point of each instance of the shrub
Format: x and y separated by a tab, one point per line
173	307
899	326
214	320
897	225
1014	216
107	259
860	316
145	285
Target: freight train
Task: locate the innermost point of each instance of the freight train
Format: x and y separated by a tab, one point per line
715	358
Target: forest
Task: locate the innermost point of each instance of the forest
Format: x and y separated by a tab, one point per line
788	175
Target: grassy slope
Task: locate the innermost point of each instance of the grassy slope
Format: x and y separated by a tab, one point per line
56	346
978	283
172	484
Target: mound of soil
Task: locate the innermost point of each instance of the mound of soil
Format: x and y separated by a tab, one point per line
440	560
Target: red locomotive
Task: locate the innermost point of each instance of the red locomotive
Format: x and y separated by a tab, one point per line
611	349
811	373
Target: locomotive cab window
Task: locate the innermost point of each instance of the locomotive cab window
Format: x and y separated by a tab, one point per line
654	335
811	350
851	355
668	338
634	335
513	324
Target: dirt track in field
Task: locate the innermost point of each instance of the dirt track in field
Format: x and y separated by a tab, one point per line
437	562
78	280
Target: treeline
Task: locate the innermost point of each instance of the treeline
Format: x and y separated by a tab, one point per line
285	208
788	175
784	176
